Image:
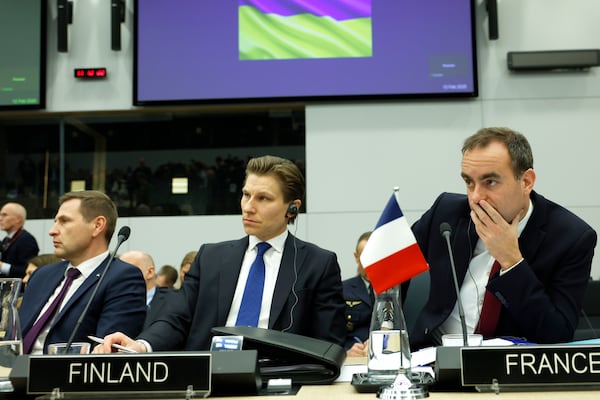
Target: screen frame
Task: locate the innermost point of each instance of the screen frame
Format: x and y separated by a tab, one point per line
41	104
303	100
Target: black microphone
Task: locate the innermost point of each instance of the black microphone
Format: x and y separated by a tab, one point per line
445	231
123	235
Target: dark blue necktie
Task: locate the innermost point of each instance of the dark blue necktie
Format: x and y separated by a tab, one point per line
253	292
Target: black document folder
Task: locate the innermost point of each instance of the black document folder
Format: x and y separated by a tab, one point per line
303	359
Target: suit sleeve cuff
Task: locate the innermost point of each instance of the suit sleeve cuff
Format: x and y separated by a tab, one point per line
503	272
5	269
146	344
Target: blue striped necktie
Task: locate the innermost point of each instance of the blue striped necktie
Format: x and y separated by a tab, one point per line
253	292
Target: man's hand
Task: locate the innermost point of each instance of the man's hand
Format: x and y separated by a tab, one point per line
358	350
121	339
500	237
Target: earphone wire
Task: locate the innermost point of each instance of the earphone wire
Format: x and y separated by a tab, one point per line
295	279
588	322
469	269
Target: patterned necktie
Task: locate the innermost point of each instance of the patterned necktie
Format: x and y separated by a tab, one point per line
4	244
35	330
490	311
253	292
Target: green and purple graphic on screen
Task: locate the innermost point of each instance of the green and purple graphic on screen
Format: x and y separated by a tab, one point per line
294	29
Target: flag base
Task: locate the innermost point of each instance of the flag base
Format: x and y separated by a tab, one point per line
403	389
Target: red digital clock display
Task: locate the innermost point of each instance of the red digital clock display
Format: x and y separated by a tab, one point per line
90	73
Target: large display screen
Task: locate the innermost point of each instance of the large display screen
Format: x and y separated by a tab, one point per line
22	54
214	51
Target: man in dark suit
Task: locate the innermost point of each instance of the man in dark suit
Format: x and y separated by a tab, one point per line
302	291
156	297
83	227
359	298
19	246
544	251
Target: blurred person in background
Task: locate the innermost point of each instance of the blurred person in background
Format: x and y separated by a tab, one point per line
38	262
167	276
18	246
359	299
186	264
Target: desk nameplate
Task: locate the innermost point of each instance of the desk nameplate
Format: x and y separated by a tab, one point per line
539	365
121	373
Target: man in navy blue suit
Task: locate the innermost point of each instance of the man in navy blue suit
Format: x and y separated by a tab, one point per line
302	291
359	299
544	251
19	246
83	227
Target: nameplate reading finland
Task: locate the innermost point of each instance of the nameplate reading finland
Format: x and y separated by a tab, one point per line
117	373
531	365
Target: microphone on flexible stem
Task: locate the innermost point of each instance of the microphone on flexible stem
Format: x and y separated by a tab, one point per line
123	235
445	231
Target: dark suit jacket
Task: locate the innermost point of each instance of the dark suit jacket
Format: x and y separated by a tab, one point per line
18	254
119	304
358	310
205	298
541	296
158	305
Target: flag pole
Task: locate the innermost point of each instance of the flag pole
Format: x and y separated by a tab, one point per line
388	333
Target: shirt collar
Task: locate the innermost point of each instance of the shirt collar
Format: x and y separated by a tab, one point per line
150	295
12	234
523	222
88	266
277	243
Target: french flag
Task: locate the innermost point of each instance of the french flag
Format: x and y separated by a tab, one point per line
392	255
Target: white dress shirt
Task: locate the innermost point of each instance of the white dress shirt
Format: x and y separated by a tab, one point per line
272	258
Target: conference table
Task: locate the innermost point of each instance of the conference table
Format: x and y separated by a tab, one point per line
345	391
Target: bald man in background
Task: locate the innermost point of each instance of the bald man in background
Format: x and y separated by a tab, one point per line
19	246
156	297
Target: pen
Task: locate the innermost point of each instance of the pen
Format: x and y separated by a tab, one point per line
114	345
357	340
517	340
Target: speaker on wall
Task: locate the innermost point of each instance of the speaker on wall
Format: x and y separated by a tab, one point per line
117	17
64	18
492	10
553	60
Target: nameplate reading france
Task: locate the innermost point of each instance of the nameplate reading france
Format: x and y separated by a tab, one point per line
119	373
531	365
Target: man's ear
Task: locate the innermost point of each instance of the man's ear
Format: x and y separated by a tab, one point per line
528	180
99	225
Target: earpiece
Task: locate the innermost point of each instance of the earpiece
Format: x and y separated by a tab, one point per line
292	210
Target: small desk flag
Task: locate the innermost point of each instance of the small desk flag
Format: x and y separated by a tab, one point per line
392	255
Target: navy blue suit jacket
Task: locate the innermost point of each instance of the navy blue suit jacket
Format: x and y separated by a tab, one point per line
359	309
541	296
119	304
158	305
18	254
205	298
